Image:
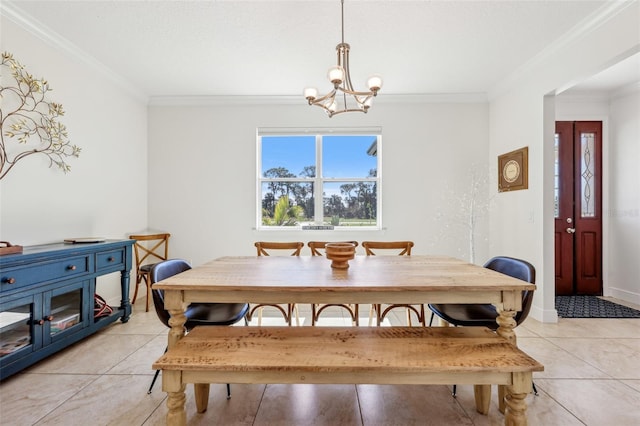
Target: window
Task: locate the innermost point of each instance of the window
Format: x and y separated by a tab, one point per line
295	166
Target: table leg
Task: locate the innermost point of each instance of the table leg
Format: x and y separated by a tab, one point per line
506	326
171	384
172	380
176	322
516	407
516	413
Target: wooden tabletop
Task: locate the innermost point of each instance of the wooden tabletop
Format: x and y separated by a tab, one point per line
369	279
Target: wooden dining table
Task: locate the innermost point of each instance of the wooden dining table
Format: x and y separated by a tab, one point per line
368	279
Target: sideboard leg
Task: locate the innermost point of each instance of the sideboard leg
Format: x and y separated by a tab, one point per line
125	304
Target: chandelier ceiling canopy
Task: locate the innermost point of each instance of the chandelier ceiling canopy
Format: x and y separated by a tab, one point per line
343	98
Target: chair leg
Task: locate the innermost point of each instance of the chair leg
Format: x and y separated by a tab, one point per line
153	382
535	391
431	320
147	283
371	311
376	309
453	392
155	376
294	308
228	391
355	308
313	314
135	291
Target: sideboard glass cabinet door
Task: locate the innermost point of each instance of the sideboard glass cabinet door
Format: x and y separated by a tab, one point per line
29	323
16	326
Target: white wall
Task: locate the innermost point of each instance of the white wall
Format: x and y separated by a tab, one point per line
522	222
202	174
624	200
105	192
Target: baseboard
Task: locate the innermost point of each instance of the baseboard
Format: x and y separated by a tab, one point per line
626	295
544	315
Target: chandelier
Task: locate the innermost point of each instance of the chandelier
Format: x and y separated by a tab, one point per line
343	98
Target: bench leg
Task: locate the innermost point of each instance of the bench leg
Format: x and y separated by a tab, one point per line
502	393
482	395
201	391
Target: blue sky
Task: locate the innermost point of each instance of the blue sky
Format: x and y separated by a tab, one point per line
343	156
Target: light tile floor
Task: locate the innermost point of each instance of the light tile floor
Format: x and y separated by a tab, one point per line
591	377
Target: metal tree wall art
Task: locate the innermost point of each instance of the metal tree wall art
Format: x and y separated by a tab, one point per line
27	117
465	208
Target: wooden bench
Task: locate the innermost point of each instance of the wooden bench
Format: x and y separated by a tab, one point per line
346	355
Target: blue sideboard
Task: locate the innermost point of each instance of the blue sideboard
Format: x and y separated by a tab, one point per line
47	298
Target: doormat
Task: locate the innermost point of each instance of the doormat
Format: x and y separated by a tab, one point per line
592	307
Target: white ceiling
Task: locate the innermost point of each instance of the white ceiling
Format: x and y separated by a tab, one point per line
269	47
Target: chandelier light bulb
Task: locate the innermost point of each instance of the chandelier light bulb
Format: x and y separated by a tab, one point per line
336	75
310	93
375	83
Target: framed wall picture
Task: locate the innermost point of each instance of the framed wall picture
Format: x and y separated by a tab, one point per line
513	172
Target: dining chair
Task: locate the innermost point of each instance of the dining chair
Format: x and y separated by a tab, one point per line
149	249
317	249
267	248
484	315
198	314
401	248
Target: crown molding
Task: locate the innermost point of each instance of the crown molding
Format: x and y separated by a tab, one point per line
299	100
579	96
588	25
46	34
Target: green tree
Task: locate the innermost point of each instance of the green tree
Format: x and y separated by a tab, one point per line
284	214
279	188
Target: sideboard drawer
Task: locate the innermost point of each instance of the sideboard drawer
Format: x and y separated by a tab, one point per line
111	259
62	269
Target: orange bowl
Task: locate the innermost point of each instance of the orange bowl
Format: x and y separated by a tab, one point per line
340	254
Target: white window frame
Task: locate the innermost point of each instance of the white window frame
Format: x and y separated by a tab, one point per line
318	180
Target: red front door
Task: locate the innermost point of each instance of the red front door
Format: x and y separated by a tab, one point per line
578	207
